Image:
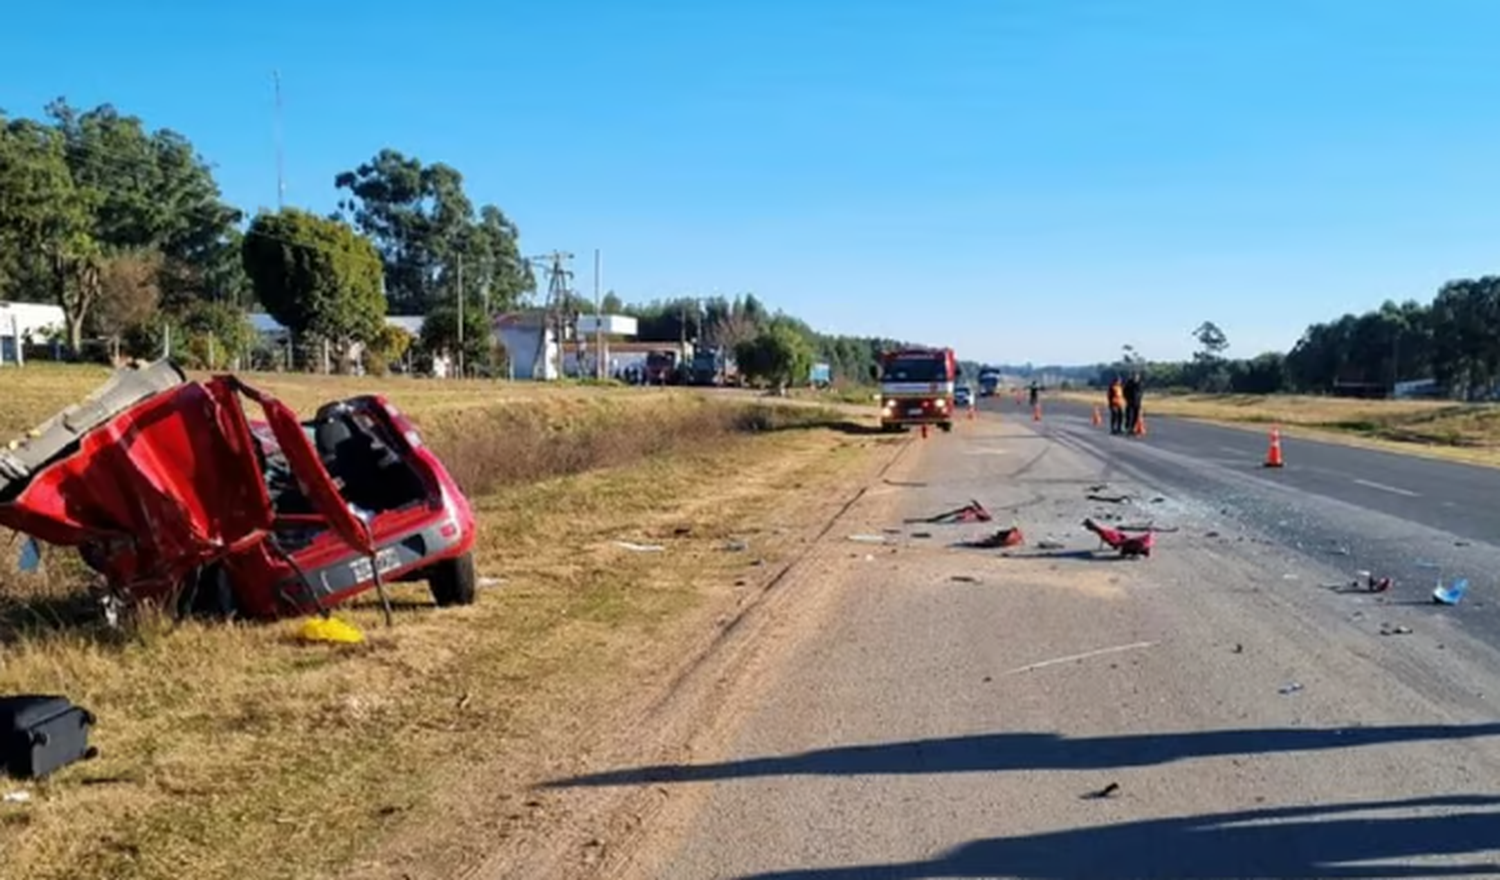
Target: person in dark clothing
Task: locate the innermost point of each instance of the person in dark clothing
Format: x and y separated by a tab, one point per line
1132	402
1035	391
1117	406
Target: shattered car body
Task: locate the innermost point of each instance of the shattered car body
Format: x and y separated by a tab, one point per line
173	493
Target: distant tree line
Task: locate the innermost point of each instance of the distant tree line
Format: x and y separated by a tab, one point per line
743	325
1454	341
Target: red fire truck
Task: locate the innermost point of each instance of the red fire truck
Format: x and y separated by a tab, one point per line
916	388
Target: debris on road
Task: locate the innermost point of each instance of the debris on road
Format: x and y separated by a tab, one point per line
1011	537
1452	594
1387	629
964	579
969	513
1290	688
20	796
921	534
1105	792
1109	499
640	548
868	539
1051	545
736	546
1129	546
1239	648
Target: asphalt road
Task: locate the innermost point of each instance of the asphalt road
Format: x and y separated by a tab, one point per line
1055	713
1457	498
1410	518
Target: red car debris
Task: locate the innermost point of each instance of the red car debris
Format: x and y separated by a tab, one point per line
175	495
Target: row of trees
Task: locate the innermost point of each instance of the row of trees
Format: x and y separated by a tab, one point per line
757	335
126	229
1454	340
114	222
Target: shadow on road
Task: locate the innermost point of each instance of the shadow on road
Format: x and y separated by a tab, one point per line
1290	843
997	752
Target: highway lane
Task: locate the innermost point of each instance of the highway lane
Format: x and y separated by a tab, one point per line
1051	713
1457	498
1332	511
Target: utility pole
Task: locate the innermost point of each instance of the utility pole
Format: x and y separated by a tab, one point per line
599	366
460	286
555	314
280	157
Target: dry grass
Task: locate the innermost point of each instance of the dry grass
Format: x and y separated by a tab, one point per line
1439	429
232	751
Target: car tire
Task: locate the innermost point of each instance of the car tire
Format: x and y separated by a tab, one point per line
947	427
453	582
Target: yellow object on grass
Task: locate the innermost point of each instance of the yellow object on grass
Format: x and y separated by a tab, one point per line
331	629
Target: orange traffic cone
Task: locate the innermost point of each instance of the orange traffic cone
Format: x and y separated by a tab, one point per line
924	432
1273	455
1140	425
1098	419
971	413
1036	413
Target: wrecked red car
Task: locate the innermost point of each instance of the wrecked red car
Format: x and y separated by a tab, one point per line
173	493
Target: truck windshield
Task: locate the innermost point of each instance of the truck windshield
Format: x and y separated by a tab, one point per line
914	370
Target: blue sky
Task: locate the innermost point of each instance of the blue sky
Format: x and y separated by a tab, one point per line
1036	180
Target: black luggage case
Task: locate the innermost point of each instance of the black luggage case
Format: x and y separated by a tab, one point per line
40	734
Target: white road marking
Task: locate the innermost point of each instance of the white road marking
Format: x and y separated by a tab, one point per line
1392	489
1233	451
1084	656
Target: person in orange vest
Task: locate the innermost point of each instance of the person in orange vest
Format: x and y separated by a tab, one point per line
1117	406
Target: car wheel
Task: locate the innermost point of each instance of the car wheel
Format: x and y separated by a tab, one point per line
947	427
453	582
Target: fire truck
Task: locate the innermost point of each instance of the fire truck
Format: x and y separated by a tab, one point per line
916	388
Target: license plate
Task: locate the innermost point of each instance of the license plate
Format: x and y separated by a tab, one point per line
914	411
386	559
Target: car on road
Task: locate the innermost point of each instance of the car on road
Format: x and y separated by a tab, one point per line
175	496
963	397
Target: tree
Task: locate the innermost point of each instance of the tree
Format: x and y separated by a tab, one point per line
440	333
389	345
777	355
45	222
129	292
611	304
315	276
424	227
148	190
1213	341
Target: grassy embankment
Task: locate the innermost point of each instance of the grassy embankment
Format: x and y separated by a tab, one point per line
231	751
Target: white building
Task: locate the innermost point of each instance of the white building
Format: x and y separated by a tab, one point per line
23	324
535	352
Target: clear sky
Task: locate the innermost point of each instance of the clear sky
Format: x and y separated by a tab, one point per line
1024	180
